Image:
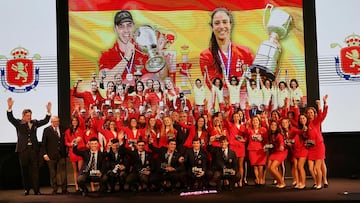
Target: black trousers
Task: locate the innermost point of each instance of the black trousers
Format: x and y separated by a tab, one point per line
29	164
57	171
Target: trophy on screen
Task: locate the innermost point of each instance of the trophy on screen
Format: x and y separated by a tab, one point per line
145	37
269	51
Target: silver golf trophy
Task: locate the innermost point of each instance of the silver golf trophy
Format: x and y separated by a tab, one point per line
146	38
269	51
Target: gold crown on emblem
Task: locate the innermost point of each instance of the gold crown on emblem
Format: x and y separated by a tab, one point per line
353	40
19	52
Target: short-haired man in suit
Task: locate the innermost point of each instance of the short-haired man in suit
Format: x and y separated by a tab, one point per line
144	166
118	165
172	169
27	145
54	153
225	166
195	163
94	167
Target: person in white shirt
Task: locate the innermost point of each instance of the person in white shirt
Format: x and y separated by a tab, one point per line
255	95
234	86
295	92
269	93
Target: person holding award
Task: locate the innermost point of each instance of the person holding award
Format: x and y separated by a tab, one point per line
124	56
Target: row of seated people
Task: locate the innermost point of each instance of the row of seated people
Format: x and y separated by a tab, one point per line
164	169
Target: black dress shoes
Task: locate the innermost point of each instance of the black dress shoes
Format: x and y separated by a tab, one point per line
37	193
26	192
84	193
64	192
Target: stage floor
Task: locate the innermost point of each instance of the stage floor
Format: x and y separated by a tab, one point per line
339	190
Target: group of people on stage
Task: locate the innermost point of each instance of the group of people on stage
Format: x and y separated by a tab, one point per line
146	135
161	154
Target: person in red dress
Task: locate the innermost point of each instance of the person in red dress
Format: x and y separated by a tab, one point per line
151	132
301	152
316	153
237	140
132	133
168	132
278	153
257	156
71	134
156	98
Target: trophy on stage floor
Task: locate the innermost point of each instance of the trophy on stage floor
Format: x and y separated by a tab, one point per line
269	51
145	37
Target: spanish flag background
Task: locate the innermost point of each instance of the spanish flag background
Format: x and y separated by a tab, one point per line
187	22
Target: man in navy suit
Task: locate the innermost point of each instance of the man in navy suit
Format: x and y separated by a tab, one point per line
94	167
225	166
27	145
144	166
195	163
171	171
54	153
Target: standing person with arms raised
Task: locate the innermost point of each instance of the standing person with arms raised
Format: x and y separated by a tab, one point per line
27	145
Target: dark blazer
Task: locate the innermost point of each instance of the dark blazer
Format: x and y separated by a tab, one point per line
86	155
121	159
181	136
52	144
198	161
24	132
163	158
149	162
220	161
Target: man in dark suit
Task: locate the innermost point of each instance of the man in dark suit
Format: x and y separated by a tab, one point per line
54	153
196	165
225	166
94	167
144	166
182	133
171	171
27	145
118	165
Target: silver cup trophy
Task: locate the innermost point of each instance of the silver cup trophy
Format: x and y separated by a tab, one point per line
269	51
146	38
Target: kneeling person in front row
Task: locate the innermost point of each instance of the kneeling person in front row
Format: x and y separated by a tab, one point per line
94	167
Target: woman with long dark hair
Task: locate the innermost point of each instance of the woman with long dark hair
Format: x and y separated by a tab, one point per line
223	55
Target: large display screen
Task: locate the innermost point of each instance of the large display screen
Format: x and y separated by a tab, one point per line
338	42
171	40
28	61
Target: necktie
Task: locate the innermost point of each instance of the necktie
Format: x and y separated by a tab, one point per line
142	158
93	162
224	154
169	159
57	132
196	154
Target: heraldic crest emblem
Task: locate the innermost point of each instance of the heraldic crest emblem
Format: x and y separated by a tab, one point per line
20	74
348	66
